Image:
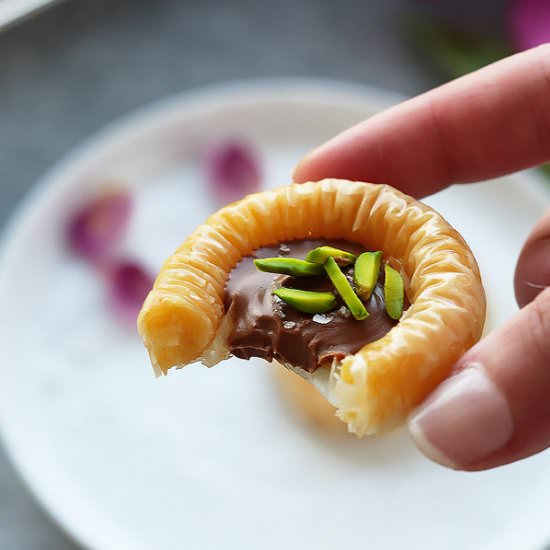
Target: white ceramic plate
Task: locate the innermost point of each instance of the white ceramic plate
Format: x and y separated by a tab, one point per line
12	11
211	459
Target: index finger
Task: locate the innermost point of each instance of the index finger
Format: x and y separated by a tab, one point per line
485	124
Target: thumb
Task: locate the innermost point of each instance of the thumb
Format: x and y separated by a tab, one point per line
495	409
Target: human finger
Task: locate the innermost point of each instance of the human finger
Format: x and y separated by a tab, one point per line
482	125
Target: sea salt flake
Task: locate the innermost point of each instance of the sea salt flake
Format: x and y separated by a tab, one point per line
284	248
289	324
280	313
278	281
344	312
322	319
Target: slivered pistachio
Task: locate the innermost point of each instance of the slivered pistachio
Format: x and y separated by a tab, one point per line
394	292
289	266
320	255
307	301
365	273
342	285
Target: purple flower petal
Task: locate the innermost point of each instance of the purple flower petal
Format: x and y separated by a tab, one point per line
232	170
529	23
94	230
129	283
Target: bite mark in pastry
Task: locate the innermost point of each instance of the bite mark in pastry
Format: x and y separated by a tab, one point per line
187	316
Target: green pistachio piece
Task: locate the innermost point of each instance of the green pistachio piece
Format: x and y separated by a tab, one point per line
394	292
320	255
307	301
289	266
365	273
342	285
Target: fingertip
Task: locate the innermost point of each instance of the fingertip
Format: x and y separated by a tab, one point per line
336	158
302	171
466	420
426	447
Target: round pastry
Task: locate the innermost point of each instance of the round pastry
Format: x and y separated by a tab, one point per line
375	350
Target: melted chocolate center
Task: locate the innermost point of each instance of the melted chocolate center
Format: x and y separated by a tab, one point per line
264	326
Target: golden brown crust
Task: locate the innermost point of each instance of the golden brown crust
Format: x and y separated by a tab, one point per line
375	389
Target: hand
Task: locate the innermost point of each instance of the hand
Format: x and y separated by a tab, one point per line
495	408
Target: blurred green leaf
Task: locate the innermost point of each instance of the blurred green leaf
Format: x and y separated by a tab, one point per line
456	51
545	169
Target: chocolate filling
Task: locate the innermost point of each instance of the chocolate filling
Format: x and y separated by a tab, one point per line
264	326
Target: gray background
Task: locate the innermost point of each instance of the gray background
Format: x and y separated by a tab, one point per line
68	71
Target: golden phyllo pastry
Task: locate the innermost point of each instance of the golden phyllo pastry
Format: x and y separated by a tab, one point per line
189	317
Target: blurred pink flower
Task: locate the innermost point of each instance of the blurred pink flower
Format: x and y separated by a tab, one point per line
94	230
529	23
128	284
232	170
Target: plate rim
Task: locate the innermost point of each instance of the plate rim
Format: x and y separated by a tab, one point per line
61	176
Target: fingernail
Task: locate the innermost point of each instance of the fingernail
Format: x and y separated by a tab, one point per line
533	271
464	421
